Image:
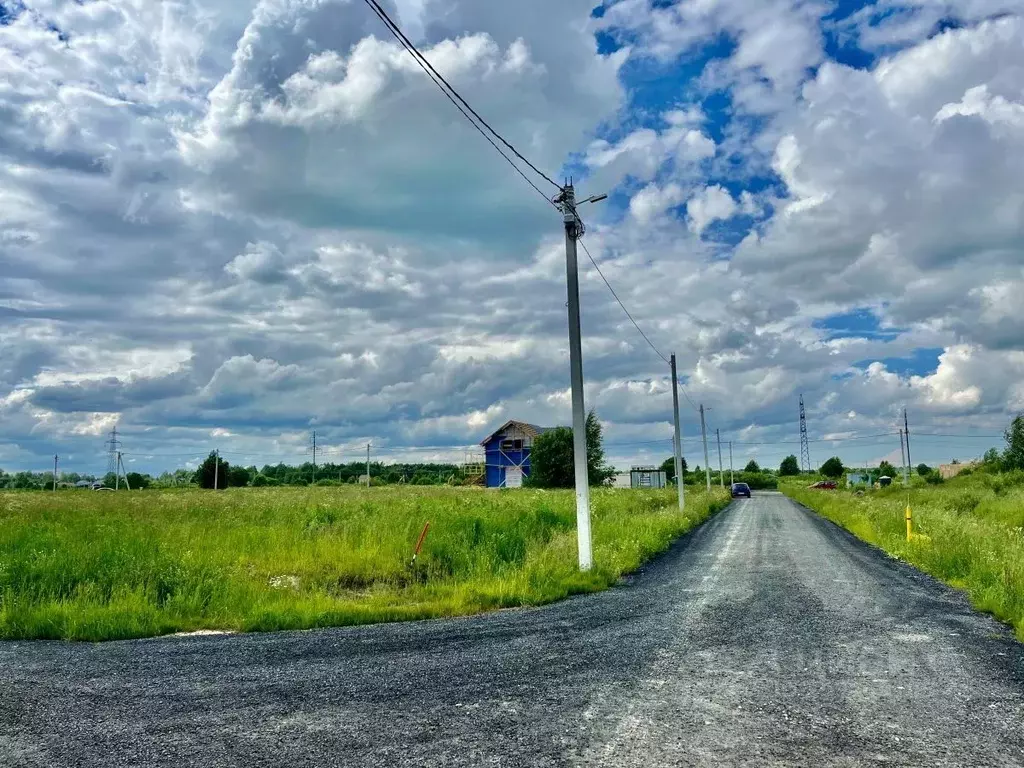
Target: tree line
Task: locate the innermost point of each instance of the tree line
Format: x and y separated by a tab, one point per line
551	463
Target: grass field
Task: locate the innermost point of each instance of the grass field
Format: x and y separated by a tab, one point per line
100	566
973	533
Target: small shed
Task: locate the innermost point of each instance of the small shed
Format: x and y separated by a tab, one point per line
508	453
647	477
857	478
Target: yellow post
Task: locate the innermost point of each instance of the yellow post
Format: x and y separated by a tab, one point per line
908	523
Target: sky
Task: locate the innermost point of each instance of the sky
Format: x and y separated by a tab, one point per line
228	224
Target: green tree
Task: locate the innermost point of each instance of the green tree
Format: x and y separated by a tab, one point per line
210	471
752	466
885	469
668	466
833	468
924	470
551	458
1013	456
789	466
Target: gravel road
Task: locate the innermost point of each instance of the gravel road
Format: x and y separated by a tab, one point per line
766	637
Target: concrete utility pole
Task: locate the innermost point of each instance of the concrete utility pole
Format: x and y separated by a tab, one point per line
117	472
367	465
704	436
566	201
677	439
903	459
732	475
721	471
120	463
906	432
314	455
55	457
216	468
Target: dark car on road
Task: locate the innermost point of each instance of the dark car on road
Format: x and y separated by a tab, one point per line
740	489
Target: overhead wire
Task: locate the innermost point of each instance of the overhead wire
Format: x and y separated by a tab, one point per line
636	325
617	299
462	105
455	98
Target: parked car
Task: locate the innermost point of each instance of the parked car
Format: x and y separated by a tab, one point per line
740	489
825	485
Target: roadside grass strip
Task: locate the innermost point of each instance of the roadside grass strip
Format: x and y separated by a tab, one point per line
96	566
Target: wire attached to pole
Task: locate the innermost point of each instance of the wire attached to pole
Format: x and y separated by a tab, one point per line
454	97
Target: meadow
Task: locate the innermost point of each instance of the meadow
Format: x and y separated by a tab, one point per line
81	565
969	532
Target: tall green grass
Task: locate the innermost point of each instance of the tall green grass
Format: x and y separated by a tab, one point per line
95	566
973	533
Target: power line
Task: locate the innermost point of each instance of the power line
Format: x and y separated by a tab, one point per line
633	320
617	299
452	95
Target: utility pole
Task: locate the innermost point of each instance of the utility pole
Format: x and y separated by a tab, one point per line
704	436
314	455
903	459
120	463
906	431
367	465
55	457
216	468
117	472
566	201
732	475
677	439
721	471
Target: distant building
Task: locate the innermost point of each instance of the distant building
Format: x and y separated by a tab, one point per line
946	471
508	453
647	477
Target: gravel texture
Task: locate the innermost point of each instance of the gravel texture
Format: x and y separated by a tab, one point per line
766	637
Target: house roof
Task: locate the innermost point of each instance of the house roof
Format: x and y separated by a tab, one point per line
531	429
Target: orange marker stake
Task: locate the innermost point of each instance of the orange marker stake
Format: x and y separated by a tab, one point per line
419	544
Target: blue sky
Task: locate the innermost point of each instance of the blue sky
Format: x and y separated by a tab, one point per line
223	225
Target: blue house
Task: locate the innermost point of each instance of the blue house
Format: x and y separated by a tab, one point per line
508	453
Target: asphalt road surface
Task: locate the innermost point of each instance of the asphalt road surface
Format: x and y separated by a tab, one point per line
767	637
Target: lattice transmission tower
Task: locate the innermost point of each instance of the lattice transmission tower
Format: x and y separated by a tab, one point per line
113	448
805	451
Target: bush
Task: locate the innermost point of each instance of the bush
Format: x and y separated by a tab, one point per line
962	503
758	481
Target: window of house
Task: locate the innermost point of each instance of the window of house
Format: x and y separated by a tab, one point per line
511	445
